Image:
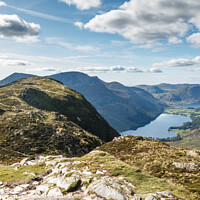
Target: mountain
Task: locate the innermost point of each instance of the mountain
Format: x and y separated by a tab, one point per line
174	94
175	165
14	77
125	108
42	116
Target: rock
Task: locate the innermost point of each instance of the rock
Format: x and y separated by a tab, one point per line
23	161
193	154
187	166
68	183
42	188
31	162
99	172
17	190
55	192
107	188
137	198
166	194
94	197
2	191
150	198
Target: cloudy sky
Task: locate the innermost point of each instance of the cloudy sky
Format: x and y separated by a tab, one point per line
133	42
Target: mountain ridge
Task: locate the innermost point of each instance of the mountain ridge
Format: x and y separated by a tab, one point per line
39	111
174	94
125	109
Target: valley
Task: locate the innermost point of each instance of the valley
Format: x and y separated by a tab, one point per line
53	142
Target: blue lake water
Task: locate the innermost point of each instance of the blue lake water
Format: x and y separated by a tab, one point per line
159	127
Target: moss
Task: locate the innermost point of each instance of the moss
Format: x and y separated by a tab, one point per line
69	174
74	186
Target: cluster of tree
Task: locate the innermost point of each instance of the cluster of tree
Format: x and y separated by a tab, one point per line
195	124
170	139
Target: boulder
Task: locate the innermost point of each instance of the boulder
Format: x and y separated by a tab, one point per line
108	188
69	183
193	154
150	198
55	192
186	166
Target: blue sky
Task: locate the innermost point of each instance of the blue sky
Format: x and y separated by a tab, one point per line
133	42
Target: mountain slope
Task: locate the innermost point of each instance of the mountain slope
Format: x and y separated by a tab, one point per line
42	116
174	94
179	166
14	77
123	107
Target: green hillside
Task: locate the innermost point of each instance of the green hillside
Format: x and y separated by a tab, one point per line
159	159
174	94
42	116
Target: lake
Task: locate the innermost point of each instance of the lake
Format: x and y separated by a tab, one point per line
159	127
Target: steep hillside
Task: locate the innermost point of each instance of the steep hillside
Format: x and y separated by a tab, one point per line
42	116
179	166
123	107
174	94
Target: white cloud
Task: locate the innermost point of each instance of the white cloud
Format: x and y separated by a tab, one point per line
143	21
179	62
83	48
194	39
83	4
193	69
2	3
174	40
149	45
41	69
12	26
116	69
11	62
79	24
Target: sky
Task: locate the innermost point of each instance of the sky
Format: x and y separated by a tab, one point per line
132	42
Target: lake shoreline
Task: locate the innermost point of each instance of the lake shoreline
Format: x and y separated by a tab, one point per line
159	128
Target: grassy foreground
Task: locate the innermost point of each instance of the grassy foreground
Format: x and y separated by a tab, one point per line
103	161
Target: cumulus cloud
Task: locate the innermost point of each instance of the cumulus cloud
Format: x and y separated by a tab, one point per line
179	62
174	40
83	48
79	24
194	39
2	3
12	26
117	69
11	62
83	4
41	69
143	21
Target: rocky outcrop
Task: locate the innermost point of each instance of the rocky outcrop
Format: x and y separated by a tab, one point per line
187	166
71	179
